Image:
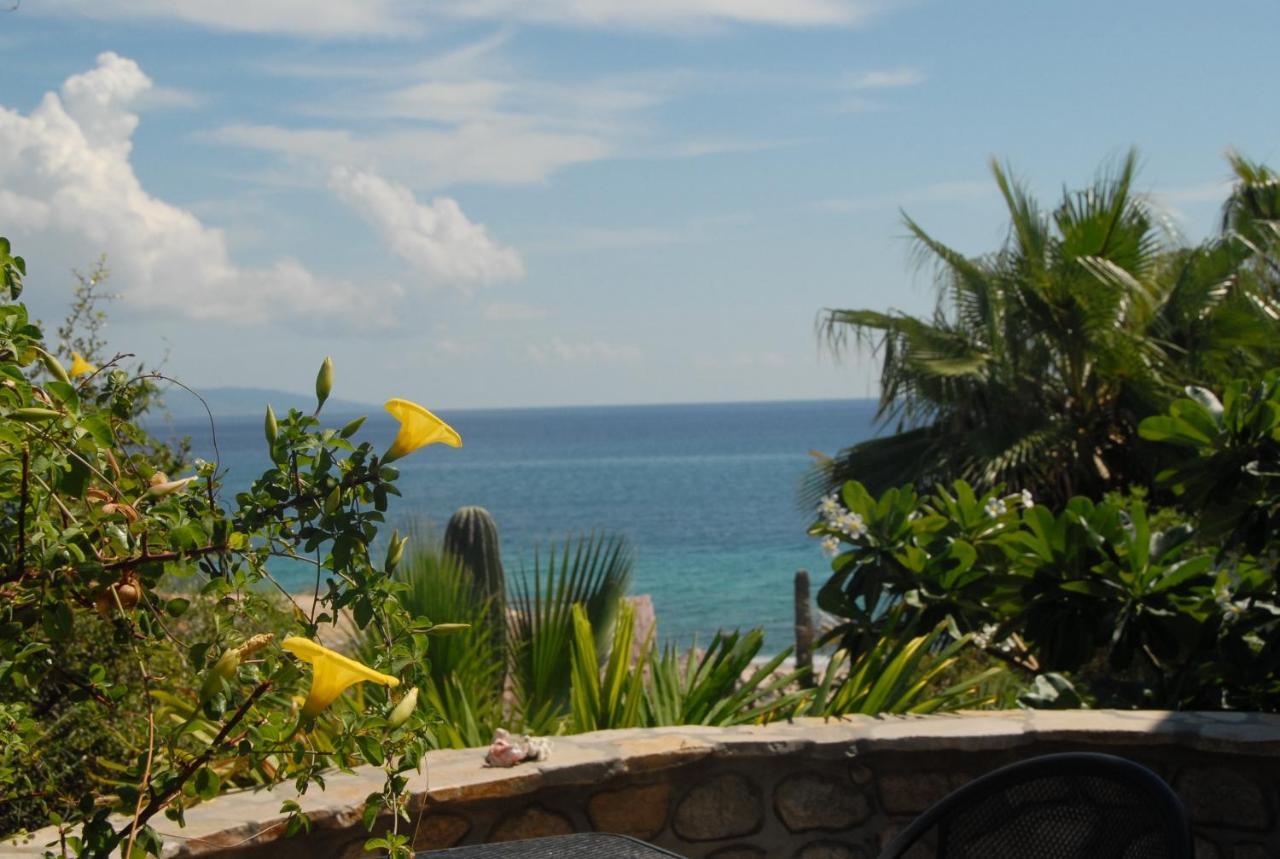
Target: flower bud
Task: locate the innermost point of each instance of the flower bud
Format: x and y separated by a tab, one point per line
352	427
270	427
223	669
395	551
54	367
324	382
168	487
33	414
404	709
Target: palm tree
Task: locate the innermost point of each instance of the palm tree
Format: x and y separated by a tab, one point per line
1040	359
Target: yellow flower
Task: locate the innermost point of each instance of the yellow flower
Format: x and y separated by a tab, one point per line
80	367
418	427
331	674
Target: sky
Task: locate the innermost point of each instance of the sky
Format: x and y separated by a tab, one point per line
490	203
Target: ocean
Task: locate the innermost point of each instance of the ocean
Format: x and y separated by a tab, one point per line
707	494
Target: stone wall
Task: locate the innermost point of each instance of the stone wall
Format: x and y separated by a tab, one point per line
808	789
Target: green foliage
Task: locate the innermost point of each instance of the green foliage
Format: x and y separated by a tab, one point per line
713	686
462	682
611	697
593	572
1140	616
901	674
1042	357
130	603
1232	479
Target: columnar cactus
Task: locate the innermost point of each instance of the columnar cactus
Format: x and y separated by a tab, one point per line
472	537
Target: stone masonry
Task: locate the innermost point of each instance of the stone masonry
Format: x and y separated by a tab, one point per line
808	789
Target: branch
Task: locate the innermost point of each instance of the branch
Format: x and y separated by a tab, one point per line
159	802
181	555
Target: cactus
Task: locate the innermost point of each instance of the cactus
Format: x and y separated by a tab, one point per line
472	537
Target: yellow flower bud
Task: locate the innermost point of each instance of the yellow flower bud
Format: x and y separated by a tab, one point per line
402	711
324	382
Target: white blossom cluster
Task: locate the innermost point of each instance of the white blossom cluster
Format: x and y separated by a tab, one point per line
996	507
983	639
837	518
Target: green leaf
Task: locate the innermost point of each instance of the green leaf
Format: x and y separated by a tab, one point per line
207	783
370	748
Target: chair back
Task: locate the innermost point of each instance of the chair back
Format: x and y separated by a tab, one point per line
1076	805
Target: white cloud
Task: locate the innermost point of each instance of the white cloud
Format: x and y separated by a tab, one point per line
291	17
506	152
508	311
559	351
435	238
348	20
70	191
665	14
885	79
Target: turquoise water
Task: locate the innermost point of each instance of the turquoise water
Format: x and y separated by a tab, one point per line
706	493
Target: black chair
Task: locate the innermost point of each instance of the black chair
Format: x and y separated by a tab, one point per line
1066	806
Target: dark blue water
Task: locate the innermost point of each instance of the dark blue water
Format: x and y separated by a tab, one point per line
706	493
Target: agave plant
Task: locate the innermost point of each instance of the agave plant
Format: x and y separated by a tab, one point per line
713	687
609	692
900	674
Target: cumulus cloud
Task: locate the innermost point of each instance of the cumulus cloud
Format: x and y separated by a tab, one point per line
559	351
67	187
436	238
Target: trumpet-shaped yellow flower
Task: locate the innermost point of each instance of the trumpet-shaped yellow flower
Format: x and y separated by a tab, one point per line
418	427
332	673
80	367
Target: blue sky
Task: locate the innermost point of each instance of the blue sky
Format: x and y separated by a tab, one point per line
539	202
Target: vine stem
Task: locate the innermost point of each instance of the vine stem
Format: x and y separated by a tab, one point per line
160	801
22	512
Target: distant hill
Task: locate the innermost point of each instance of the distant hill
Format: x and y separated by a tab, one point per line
240	402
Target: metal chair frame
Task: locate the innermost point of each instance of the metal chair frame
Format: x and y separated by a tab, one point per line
1143	781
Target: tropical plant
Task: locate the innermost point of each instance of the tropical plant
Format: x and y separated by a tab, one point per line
1231	480
900	673
609	692
722	685
1140	616
594	572
1040	359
